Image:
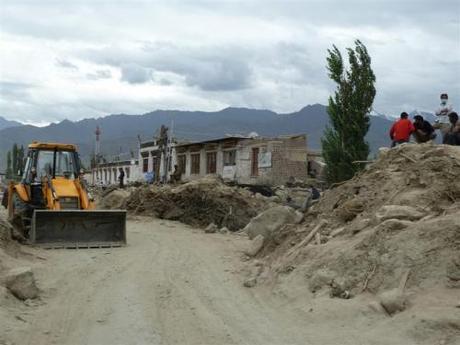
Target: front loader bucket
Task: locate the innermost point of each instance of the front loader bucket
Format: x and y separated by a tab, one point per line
78	229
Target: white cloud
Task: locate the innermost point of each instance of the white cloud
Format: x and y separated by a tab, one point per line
76	59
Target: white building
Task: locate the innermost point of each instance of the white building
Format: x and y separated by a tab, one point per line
108	173
244	160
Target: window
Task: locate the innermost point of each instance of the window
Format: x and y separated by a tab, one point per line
195	163
229	158
145	165
211	163
181	161
127	172
64	160
255	162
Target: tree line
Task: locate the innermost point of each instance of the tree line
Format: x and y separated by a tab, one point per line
15	161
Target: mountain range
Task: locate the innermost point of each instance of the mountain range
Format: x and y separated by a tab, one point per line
4	123
120	132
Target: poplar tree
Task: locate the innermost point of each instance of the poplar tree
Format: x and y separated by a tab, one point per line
14	159
8	165
344	141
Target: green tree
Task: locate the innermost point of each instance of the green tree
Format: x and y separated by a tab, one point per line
8	165
21	160
343	142
14	159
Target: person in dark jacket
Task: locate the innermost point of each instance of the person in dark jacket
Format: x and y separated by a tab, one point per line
424	131
121	178
452	137
401	130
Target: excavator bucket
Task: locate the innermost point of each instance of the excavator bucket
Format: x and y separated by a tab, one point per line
78	229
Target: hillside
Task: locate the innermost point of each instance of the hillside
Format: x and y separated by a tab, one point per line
4	123
119	132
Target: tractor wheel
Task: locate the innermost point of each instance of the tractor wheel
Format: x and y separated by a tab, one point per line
18	217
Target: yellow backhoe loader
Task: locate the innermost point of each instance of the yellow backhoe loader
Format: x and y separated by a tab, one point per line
52	206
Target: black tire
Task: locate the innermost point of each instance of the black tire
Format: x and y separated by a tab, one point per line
20	215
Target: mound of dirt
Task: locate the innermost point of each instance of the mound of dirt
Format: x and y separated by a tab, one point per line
5	231
198	203
115	199
402	213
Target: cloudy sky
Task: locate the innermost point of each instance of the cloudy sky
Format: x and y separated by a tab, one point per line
78	59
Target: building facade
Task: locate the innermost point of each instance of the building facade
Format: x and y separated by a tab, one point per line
243	160
264	161
108	173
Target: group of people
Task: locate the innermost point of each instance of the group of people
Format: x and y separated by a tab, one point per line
422	131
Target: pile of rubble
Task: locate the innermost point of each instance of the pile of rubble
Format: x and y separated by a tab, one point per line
394	226
15	279
198	203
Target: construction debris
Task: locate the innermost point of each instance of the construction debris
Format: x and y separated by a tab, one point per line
398	213
271	220
198	203
211	228
21	282
114	199
255	246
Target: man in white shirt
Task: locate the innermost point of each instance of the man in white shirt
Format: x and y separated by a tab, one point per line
442	122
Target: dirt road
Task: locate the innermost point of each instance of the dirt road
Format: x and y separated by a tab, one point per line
171	285
177	285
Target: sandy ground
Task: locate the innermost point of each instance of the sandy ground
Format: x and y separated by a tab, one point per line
176	285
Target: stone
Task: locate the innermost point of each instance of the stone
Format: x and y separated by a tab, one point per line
3	293
359	225
453	269
393	301
21	282
321	278
255	245
250	282
393	225
211	228
271	220
402	212
350	209
224	230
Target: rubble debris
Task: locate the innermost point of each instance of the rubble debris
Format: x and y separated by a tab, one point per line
393	301
198	203
224	230
211	228
396	213
321	278
402	212
21	282
255	246
350	209
267	222
115	199
250	282
5	231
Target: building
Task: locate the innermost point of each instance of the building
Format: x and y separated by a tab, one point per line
267	161
244	160
157	163
108	173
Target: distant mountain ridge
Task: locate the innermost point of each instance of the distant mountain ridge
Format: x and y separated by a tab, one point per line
120	131
4	123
